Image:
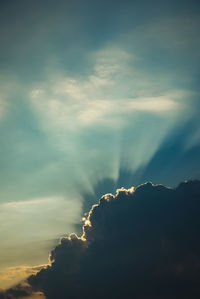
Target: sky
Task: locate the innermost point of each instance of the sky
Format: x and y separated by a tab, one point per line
94	95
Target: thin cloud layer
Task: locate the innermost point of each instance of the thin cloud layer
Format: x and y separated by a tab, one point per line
13	275
140	243
111	89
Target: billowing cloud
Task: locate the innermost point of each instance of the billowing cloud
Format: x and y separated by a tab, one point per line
140	243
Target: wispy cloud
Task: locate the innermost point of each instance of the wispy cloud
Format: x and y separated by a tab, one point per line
114	95
36	212
13	275
110	91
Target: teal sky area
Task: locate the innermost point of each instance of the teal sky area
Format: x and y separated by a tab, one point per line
94	95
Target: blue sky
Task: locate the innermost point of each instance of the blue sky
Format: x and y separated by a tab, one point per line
91	92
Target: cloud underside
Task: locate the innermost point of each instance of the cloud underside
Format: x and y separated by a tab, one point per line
141	243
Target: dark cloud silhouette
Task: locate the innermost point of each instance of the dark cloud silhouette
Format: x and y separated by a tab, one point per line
140	243
173	162
19	291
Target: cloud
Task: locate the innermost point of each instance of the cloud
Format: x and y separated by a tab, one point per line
139	243
31	227
112	101
112	88
13	275
21	291
15	215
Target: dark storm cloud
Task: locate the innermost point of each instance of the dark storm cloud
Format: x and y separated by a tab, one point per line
173	162
141	243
